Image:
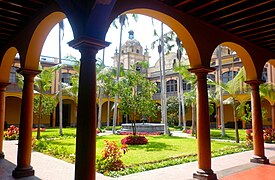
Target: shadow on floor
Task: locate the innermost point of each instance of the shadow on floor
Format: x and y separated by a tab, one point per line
6	168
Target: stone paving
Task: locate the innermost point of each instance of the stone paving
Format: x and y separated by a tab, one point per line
49	168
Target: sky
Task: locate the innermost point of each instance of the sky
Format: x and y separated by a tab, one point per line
143	32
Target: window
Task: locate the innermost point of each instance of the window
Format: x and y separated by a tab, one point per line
13	75
186	86
171	86
66	78
159	87
264	75
229	75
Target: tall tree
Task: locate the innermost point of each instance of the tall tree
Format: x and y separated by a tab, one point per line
60	29
190	97
122	19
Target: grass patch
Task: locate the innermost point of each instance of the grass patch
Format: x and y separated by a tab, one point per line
229	134
161	151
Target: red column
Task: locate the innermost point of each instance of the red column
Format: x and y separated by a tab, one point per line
24	168
273	115
85	167
2	116
257	124
203	126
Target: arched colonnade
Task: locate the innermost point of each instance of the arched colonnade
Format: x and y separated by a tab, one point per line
90	22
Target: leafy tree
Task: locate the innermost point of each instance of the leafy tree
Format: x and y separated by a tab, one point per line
172	110
136	92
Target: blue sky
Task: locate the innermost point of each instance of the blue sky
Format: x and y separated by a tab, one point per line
143	29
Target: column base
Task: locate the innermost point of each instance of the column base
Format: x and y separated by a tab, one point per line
22	172
2	155
205	175
260	160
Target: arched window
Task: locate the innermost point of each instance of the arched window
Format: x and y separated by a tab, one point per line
13	74
171	86
229	75
186	86
159	87
66	78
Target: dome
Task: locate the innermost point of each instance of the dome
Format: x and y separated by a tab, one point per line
131	45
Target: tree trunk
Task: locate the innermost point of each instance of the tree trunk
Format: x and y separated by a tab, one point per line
236	124
100	108
39	116
194	131
108	112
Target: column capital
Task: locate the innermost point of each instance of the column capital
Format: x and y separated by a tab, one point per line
88	42
24	71
3	86
201	70
254	82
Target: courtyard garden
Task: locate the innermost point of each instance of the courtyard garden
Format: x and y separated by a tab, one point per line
160	151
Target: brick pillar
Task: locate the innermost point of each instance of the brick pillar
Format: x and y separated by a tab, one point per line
2	116
257	124
23	168
203	126
85	167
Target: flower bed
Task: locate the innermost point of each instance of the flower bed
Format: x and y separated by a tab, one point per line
268	135
134	140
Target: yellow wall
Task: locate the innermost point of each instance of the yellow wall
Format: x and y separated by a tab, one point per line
13	109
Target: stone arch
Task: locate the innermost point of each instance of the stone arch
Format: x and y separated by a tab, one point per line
38	38
272	62
6	64
182	32
251	73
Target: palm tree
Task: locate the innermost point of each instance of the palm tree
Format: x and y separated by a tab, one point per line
190	97
42	83
122	19
100	66
106	78
233	88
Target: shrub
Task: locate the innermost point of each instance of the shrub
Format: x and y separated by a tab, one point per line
111	158
269	135
134	140
12	133
188	131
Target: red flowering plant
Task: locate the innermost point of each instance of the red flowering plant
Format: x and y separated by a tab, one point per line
134	140
268	134
111	157
12	133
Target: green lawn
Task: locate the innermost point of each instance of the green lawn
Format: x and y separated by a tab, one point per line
158	148
229	134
